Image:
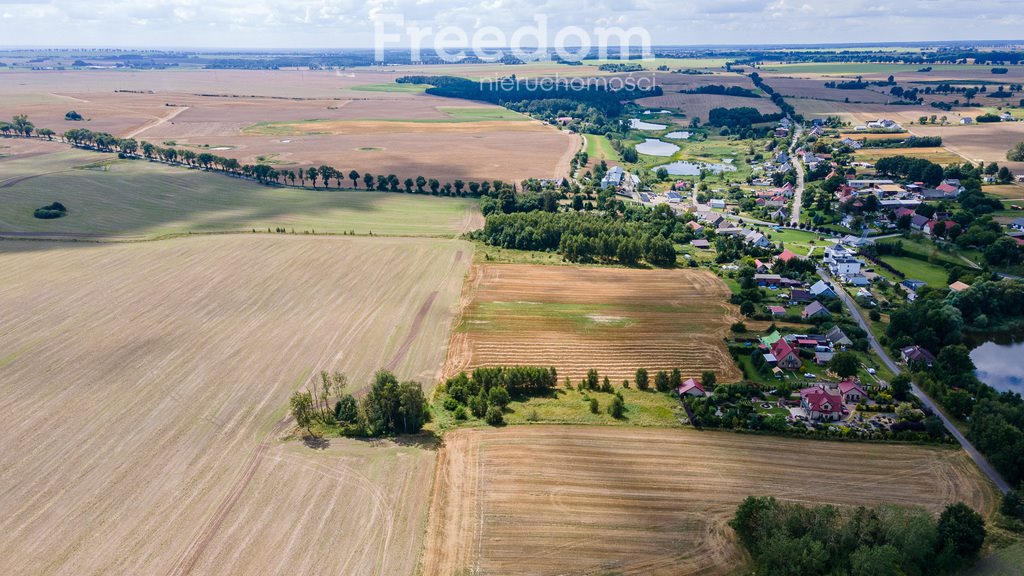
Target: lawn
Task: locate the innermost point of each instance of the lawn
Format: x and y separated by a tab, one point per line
925	249
139	198
797	241
1003	562
933	274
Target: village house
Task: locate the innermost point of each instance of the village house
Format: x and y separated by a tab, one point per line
777	311
819	404
800	296
917	355
958	286
851	392
822	290
815	310
784	356
837	337
613	178
691	388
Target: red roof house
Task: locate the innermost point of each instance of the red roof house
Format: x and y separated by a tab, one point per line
691	388
820	404
786	357
851	392
786	256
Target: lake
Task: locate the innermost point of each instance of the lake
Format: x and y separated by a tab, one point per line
641	125
684	168
678	135
653	147
999	362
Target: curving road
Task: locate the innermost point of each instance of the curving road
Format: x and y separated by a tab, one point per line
978	458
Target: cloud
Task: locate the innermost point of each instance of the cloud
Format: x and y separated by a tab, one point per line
348	23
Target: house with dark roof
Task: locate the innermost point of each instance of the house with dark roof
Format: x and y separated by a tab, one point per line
837	337
815	310
918	221
917	355
800	296
913	285
819	404
701	244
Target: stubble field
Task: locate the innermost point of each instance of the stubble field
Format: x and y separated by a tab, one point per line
611	319
110	197
145	386
535	500
211	110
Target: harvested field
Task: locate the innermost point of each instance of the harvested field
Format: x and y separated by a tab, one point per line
1006	191
699	105
148	199
979	142
939	155
143	382
612	319
536	500
204	109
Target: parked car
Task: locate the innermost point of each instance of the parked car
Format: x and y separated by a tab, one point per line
809	375
871	371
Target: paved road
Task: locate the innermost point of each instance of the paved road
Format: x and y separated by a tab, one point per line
798	194
980	460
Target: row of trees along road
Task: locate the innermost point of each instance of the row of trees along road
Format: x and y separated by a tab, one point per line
323	175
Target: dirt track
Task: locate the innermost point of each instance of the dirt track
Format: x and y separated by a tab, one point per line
536	500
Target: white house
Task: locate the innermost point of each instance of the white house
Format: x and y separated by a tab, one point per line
613	177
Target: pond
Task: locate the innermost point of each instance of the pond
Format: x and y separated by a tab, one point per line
636	124
999	362
653	147
678	135
684	168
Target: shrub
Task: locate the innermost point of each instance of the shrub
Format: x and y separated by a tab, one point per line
494	416
498	396
642	382
617	409
661	381
594	408
55	210
460	413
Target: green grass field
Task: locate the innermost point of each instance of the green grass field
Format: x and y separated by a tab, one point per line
933	274
570	406
474	113
393	87
139	198
600	148
1004	562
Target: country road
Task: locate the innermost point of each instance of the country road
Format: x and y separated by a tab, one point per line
978	458
798	194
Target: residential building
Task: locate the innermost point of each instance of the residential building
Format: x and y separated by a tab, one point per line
851	392
822	290
837	337
613	178
815	310
785	356
917	354
819	404
691	388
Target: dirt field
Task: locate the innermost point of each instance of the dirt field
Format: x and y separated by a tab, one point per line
590	500
699	105
980	142
210	109
142	383
614	320
110	197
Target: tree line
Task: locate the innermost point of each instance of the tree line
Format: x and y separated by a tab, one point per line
265	174
794	539
586	236
389	407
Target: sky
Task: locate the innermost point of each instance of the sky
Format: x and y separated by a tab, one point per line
296	24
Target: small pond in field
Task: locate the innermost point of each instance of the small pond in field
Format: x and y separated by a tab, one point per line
999	360
653	147
678	135
637	124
